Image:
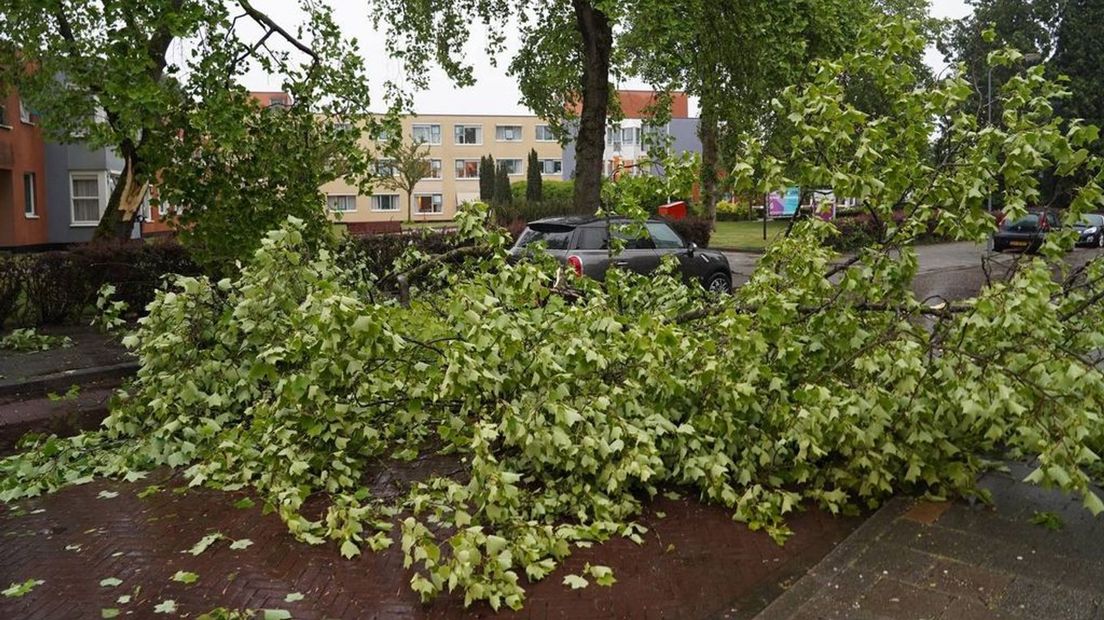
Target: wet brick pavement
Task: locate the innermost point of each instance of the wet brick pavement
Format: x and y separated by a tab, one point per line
695	563
952	561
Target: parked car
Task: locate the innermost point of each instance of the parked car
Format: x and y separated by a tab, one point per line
1091	229
1027	233
583	244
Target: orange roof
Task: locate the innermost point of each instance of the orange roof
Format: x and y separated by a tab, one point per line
635	103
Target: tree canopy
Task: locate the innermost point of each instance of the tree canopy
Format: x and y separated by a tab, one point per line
160	83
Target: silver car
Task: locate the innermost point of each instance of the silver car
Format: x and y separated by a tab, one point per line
582	242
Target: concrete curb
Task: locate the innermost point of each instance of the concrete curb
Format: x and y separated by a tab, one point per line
61	381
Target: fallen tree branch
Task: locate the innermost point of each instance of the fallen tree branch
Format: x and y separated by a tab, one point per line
942	311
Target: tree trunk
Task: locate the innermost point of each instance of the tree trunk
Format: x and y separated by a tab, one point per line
410	207
590	143
707	132
117	221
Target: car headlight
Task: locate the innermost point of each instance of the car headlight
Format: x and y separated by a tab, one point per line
1089	231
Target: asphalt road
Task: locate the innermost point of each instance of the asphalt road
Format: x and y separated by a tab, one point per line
949	270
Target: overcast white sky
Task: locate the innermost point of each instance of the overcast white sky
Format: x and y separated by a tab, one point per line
494	92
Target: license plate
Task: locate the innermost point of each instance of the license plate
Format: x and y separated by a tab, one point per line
1018	244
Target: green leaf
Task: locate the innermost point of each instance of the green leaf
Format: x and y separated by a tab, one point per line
276	614
204	543
241	543
575	581
243	503
1093	503
110	612
18	590
110	582
293	597
167	606
349	549
185	577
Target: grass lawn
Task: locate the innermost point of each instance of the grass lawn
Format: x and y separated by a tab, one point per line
746	235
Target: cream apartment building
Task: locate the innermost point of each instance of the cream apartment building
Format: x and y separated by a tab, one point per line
456	143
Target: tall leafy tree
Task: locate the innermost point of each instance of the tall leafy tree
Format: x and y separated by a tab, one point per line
486	178
1026	25
1079	55
159	82
409	165
735	57
564	65
534	188
503	196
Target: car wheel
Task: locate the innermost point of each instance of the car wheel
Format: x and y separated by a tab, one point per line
718	283
1100	240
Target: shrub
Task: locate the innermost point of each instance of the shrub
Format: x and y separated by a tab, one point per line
371	257
551	190
693	229
58	287
11	285
733	211
31	340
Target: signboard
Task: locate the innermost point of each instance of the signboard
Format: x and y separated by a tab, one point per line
785	204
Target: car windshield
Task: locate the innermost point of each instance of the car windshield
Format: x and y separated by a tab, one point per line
1089	220
1027	223
554	237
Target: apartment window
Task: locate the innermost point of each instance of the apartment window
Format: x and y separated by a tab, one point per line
508	133
341	203
385	202
630	135
24	112
468	134
613	135
427	134
85	198
278	101
430	203
551	166
467	168
544	134
513	166
29	205
434	169
343	127
385	168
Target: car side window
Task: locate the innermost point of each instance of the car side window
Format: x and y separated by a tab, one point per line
591	238
664	237
595	238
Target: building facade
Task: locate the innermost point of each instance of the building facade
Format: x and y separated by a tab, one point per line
456	144
627	141
23	193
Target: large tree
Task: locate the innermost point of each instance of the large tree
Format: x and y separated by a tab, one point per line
409	165
735	57
159	82
564	64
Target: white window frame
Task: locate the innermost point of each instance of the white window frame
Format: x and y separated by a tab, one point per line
429	127
456	169
551	159
347	199
431	195
537	133
518	170
102	195
458	128
24	113
386	162
375	203
438	173
30	198
502	128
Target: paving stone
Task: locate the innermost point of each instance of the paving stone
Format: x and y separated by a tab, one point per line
926	512
1040	599
695	563
890	598
978	584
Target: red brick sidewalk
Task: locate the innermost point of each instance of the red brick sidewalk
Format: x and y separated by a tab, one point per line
696	563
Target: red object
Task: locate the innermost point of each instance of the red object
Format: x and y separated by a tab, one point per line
575	263
673	210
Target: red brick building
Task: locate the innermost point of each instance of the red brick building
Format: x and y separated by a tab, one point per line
23	216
